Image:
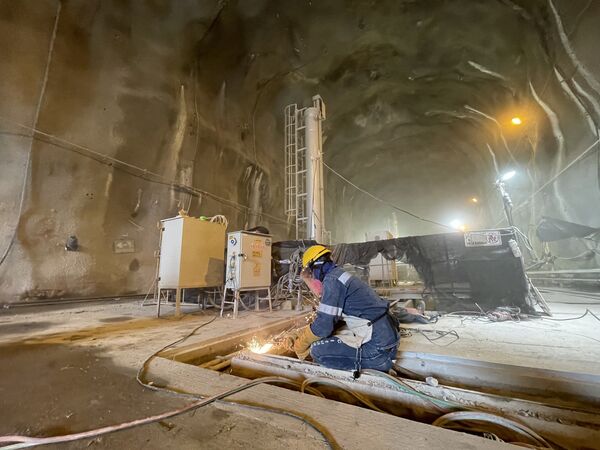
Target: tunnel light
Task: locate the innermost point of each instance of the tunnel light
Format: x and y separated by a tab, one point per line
474	200
458	225
516	121
508	175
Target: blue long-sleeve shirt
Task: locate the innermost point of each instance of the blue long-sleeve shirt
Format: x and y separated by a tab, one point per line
345	293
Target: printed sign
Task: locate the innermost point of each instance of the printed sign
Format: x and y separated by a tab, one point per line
483	239
256	254
257	244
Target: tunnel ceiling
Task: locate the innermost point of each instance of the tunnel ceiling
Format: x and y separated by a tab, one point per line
408	86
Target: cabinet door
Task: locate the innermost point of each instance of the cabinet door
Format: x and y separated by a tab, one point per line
256	267
170	253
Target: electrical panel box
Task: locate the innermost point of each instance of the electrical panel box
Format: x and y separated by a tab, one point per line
192	253
248	261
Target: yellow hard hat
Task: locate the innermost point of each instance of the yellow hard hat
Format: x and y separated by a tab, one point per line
313	253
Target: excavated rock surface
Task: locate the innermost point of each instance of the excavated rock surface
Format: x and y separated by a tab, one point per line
192	92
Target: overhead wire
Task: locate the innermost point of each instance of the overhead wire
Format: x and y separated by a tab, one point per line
385	202
551	180
145	174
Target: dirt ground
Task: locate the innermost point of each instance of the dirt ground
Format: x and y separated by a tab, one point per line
49	389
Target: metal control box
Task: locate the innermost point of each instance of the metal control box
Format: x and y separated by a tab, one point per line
248	261
191	253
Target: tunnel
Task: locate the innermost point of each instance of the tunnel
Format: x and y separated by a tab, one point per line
438	123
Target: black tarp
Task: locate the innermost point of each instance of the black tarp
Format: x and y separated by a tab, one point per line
490	276
550	230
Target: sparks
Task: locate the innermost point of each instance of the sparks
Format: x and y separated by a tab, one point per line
256	347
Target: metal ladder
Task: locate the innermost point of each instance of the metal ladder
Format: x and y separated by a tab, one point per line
295	168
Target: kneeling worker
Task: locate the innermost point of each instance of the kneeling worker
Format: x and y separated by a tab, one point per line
352	329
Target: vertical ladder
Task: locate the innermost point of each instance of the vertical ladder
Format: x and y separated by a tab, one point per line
295	170
290	203
296	195
301	171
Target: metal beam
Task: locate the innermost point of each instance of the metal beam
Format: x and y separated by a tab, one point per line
200	352
568	389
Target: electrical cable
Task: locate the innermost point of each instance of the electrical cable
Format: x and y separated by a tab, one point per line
465	414
144	366
219	218
587	311
35	122
342	386
440	335
444	405
25	441
18	442
391	205
551	180
142	370
139	172
451	420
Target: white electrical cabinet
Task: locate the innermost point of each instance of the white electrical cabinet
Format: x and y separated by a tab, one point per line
248	261
191	253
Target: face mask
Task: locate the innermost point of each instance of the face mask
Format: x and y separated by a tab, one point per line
315	286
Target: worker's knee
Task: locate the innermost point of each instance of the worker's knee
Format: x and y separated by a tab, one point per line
333	353
327	346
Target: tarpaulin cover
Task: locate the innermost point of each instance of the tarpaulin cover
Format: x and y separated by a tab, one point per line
550	230
490	276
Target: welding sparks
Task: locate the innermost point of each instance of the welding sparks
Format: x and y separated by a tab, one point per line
256	347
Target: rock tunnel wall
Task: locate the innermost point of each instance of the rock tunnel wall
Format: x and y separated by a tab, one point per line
147	107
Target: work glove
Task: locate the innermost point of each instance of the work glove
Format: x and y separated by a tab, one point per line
303	341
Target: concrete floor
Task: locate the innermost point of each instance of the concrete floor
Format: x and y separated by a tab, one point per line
571	345
66	369
69	369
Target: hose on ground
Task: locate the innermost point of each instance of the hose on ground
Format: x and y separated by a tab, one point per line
19	442
480	422
342	386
